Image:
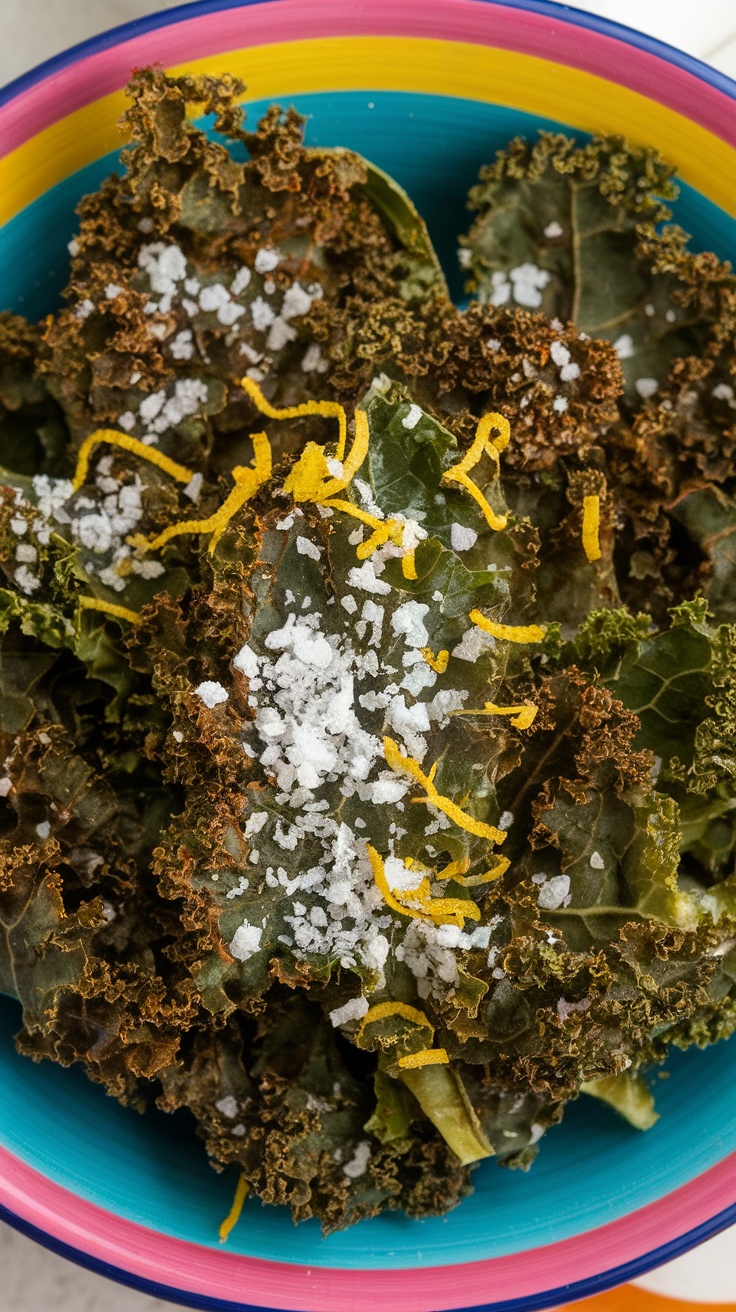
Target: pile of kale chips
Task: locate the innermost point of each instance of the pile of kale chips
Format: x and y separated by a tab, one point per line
231	879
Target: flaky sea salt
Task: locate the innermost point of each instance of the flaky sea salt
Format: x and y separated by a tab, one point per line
27	582
211	693
262	314
358	1164
240	281
279	334
528	282
306	547
553	892
313	360
624	346
462	538
365	578
408	621
266	260
297	302
355	1009
182	346
246	941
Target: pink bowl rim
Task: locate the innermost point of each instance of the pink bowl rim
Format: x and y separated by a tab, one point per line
177	1270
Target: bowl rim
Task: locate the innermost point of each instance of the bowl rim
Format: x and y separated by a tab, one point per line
559	1296
178	13
613	1276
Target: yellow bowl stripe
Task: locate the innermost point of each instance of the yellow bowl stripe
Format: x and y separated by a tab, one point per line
375	63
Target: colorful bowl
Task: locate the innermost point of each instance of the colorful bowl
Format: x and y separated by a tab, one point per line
428	89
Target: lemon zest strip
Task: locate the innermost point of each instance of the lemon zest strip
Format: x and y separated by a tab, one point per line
408	565
455	868
408	765
309	480
482	444
307	476
472	881
494	521
591	527
425	1057
437	663
383	1009
356	455
443	910
454	908
386	530
328	409
112	438
109	608
248	479
523	716
494	420
379	874
233	1216
349	509
508	632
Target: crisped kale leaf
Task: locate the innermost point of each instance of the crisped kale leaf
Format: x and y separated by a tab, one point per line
572	229
160	328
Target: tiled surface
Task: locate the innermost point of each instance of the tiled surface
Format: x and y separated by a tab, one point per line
34	1280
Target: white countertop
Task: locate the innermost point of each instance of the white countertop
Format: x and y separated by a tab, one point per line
34	1280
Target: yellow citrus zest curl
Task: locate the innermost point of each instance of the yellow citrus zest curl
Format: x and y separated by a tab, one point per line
387	530
379	874
384	1009
483	444
408	565
472	881
508	632
591	527
310	479
247	478
437	663
443	910
233	1216
454	868
457	870
448	910
109	608
407	765
112	438
328	409
523	716
425	1057
486	426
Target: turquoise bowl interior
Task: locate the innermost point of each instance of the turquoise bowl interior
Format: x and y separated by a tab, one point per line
153	1170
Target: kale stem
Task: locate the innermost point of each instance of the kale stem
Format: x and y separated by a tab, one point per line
442	1097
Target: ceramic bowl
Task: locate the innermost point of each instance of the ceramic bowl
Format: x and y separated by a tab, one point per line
427	89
